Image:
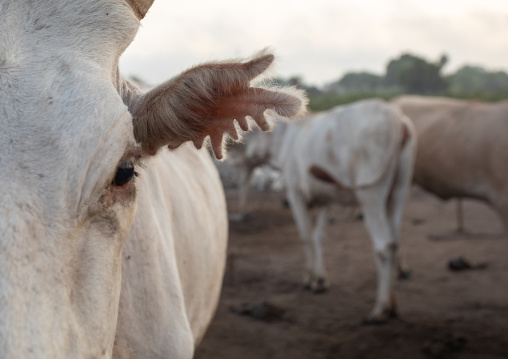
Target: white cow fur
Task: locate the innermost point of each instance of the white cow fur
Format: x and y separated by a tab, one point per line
90	268
364	153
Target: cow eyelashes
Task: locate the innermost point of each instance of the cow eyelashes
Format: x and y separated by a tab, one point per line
124	174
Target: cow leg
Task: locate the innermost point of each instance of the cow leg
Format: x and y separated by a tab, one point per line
385	253
397	201
374	202
303	221
243	187
319	282
383	207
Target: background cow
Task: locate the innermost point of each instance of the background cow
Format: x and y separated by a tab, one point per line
361	153
83	272
461	149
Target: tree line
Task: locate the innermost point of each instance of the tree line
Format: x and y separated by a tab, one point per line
408	74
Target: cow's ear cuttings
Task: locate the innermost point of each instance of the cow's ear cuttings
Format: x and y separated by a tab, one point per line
205	101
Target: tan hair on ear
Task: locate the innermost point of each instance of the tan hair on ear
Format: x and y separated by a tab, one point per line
140	7
205	100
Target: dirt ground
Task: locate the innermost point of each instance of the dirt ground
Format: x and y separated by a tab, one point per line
442	313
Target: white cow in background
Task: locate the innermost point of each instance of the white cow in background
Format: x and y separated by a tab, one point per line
462	149
94	262
357	154
250	172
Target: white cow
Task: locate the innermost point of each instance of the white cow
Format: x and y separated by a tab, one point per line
461	149
83	272
357	154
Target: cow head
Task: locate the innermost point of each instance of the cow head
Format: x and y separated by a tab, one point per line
73	135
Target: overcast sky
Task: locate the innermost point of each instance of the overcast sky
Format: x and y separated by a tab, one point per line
318	39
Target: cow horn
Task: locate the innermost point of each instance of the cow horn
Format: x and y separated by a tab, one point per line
140	7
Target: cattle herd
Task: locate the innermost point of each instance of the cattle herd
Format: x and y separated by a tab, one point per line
112	246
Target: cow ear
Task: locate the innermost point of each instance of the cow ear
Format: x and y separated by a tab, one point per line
206	100
140	7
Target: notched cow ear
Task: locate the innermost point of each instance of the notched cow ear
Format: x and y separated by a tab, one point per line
205	101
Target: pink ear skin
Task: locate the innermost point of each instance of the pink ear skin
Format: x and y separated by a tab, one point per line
205	101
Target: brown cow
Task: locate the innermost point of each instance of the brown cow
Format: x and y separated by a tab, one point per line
462	149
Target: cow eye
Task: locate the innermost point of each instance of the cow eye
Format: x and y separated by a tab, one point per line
124	174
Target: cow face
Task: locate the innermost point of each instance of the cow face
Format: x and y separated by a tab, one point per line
68	163
73	136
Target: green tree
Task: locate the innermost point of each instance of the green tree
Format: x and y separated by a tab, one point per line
356	81
475	79
416	75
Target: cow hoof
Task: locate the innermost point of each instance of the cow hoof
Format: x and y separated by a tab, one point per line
319	286
285	203
316	285
392	313
319	290
246	217
405	275
377	319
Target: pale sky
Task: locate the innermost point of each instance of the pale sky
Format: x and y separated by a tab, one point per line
318	40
